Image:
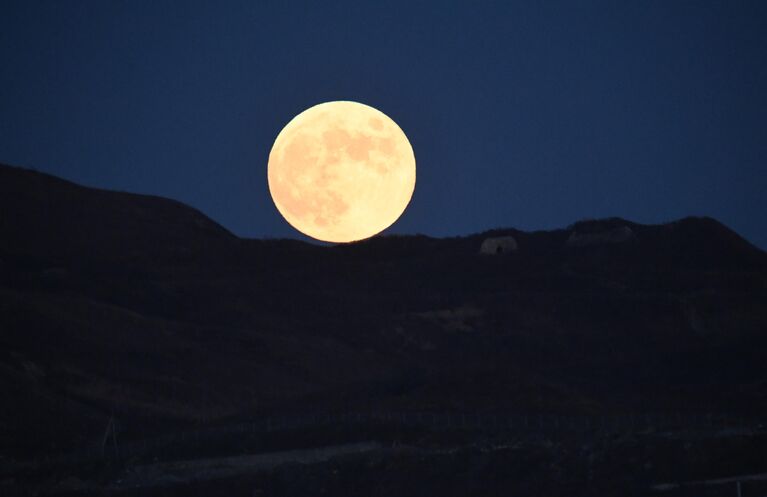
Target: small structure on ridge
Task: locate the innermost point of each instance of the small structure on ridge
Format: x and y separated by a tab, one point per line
498	245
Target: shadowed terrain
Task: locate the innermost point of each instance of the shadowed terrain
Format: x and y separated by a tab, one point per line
141	309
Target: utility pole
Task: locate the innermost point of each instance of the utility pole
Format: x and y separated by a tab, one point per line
110	432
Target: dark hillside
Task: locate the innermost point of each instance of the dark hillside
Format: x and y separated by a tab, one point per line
49	217
141	308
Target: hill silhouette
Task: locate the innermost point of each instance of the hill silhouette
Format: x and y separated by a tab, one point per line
142	308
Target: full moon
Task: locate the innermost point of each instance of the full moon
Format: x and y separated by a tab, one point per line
341	172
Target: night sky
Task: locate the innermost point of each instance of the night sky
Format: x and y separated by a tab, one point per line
530	115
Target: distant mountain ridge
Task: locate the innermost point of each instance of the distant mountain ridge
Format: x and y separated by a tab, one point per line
48	209
45	212
142	307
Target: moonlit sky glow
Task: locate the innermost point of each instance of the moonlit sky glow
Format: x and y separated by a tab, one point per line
523	114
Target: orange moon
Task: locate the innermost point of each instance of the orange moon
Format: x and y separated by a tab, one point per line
341	172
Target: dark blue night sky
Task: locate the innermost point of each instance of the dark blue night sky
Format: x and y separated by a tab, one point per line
521	114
